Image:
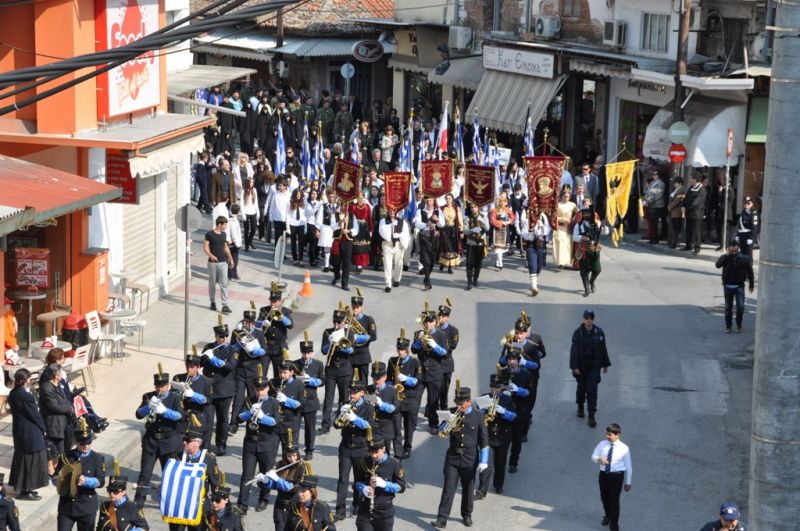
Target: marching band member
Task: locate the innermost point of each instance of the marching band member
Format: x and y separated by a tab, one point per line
534	243
450	235
9	514
396	239
329	208
501	217
311	372
469	445
219	361
403	369
345	229
386	407
277	328
119	513
451	342
427	221
587	235
428	345
475	230
260	441
361	358
251	345
284	478
354	421
500	418
79	506
218	514
379	478
290	394
163	410
308	513
197	394
519	388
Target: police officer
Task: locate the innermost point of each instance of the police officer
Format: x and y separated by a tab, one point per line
379	478
218	514
429	346
404	369
219	361
587	357
260	441
469	447
451	342
499	425
250	345
361	358
355	419
519	389
119	513
284	478
290	394
748	227
728	519
386	407
307	508
164	427
197	395
80	506
9	514
276	329
194	453
310	372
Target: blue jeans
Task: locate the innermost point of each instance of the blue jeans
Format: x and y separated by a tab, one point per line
730	293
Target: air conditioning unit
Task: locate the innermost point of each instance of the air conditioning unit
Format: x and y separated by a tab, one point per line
547	27
460	38
614	33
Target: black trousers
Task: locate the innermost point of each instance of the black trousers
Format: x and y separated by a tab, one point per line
610	489
432	403
452	475
309	429
84	523
677	228
587	389
279	517
657	215
244	388
275	360
331	385
265	461
427	256
366	523
297	234
279	227
250	222
146	465
233	272
222	412
474	262
517	433
528	413
498	456
311	242
346	464
444	390
363	373
694	232
263	223
342	261
406	437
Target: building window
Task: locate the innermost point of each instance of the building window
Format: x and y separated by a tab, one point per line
571	8
655	32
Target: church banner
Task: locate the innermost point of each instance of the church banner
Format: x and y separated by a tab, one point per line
544	181
437	177
397	187
619	177
479	184
345	180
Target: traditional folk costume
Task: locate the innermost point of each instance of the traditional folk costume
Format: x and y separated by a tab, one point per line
475	245
449	238
562	241
326	233
361	242
501	217
534	241
587	235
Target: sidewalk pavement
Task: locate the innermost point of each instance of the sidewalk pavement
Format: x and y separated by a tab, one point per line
708	251
121	382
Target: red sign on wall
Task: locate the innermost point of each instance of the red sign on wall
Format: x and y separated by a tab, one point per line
118	173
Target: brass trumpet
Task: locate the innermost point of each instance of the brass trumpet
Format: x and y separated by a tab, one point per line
508	339
455	424
341	421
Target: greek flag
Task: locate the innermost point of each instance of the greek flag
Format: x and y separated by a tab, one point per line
280	155
476	140
529	147
305	156
459	138
408	147
319	159
355	156
182	491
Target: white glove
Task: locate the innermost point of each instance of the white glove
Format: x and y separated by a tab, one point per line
482	467
188	393
506	392
379	482
273	475
500	409
304	377
161	409
261	478
207	353
431	343
351	417
255	409
380	400
153	401
366	491
401	377
260	415
513	387
345	408
281	397
475	230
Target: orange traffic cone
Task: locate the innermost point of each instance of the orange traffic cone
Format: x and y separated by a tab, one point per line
306	291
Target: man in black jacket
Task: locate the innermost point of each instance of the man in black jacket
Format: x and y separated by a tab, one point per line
736	267
694	204
588	356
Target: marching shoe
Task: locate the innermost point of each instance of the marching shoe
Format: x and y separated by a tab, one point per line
592	422
605	521
395	284
439	523
262	505
580	412
387	289
467	521
479	495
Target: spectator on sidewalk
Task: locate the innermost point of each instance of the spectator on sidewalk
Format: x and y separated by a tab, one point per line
234	241
736	268
201	180
694	203
728	519
657	209
29	466
95	421
11	326
56	410
219	258
675	211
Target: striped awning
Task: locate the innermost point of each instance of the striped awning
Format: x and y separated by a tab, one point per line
599	69
409	64
463	72
502	98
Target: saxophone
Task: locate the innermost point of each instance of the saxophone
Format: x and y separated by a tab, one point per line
399	388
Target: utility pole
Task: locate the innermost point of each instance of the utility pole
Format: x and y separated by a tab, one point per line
775	437
279	29
682	58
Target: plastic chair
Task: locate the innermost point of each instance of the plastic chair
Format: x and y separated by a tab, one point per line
80	364
98	337
132	326
138	290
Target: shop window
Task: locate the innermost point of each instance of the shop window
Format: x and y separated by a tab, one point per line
571	8
655	32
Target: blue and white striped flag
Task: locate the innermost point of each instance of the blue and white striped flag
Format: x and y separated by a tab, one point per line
319	159
476	140
182	489
355	154
459	134
280	155
305	156
408	143
529	146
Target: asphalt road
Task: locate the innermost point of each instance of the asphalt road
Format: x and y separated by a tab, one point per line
679	387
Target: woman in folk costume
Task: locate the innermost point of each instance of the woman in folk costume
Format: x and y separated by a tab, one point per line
534	235
329	208
501	217
379	212
450	235
562	242
361	246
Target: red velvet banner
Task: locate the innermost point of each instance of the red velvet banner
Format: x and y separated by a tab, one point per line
396	186
544	181
479	184
345	180
437	177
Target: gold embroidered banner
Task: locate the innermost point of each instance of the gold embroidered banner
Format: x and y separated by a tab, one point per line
437	177
479	184
396	186
345	180
619	176
544	181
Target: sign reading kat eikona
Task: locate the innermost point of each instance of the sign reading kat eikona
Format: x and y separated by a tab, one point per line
135	85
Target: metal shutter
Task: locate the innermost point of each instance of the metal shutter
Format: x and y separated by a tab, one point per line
171	233
139	234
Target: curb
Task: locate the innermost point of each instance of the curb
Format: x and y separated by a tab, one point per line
705	254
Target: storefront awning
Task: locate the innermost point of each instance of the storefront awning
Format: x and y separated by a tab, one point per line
50	193
13	218
408	64
502	100
757	121
255	46
158	160
599	69
202	76
709	120
694	82
465	72
324	47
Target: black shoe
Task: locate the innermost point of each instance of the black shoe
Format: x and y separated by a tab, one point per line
428	286
652	242
405	455
326	269
262	505
226	310
475	283
524	438
591	286
479	495
405	268
324	429
439	523
441	268
512	469
498	490
449	270
220	451
605	521
686	248
213	306
469	286
309	455
346	286
586	293
29	496
695	252
420	272
467	521
239	510
673	246
395	284
580	412
433	430
339	516
334	281
592	422
233	428
387	289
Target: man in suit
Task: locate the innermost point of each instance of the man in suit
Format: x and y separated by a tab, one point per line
694	203
355	108
580	180
223	188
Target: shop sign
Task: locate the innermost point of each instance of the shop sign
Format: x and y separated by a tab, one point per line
368	51
32	267
519	62
677	153
118	173
639	86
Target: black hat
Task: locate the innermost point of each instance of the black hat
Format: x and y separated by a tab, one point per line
429	316
588	313
193	433
192	359
117	483
287	365
306	346
444	310
221	330
275	292
514	352
403	343
83	433
338	316
161	378
309	482
378	369
221	492
260	381
357	299
463	394
356	386
249	315
376	443
497	380
747	199
521	325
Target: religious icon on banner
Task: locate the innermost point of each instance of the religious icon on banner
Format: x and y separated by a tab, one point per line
397	187
345	180
544	182
479	184
437	177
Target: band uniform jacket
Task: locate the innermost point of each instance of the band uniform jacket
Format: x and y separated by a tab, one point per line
85	502
361	355
229	521
451	335
204	386
276	332
167	434
339	365
355	438
500	429
521	378
247	368
265	438
412	394
290	418
9	515
293	475
467	442
314	369
223	384
320	516
532	350
389	470
430	361
588	351
385	421
121	517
